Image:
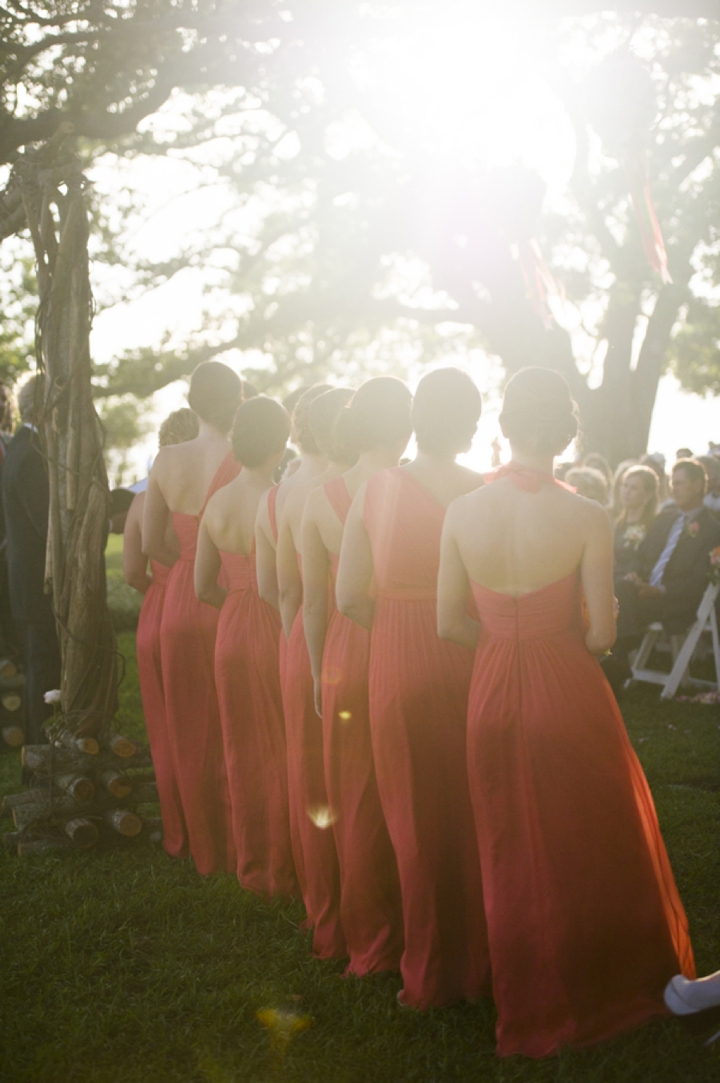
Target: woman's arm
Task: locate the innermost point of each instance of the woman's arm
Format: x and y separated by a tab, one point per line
207	568
315	573
265	562
597	581
454	591
290	587
355	571
156	516
134	560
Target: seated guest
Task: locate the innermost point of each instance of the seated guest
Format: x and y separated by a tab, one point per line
616	506
672	568
638	496
590	483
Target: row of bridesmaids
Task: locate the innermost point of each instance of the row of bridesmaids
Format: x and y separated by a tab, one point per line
466	809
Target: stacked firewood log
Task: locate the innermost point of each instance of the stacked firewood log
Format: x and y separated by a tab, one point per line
85	792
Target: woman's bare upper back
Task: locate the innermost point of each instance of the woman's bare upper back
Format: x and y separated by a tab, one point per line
184	472
514	541
231	515
444	480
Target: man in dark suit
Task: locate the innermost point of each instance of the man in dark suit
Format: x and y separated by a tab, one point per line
25	497
673	569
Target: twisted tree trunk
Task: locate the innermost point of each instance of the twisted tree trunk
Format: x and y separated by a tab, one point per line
52	187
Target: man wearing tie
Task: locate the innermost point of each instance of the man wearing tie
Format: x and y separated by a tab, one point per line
673	569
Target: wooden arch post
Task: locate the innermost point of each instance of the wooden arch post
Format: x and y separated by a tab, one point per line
53	195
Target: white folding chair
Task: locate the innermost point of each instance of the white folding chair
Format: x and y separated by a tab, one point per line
683	648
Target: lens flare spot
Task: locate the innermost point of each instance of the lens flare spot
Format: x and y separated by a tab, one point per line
322	816
344	716
283	1025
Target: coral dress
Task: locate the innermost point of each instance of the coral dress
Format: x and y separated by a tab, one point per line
147	645
248	686
370	902
418	707
187	643
316	860
585	924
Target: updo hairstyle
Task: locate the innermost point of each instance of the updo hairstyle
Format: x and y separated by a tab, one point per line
178	427
302	434
377	416
589	482
445	412
260	430
322	415
215	394
538	414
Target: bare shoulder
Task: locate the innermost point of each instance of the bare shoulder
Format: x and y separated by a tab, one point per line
316	504
593	514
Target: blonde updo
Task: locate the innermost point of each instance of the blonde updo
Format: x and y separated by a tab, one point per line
539	415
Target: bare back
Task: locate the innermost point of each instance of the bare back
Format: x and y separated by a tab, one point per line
514	542
232	512
183	473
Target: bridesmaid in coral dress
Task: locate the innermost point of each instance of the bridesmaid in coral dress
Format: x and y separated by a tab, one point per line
376	427
247	674
182	480
310	818
418	694
585	924
179	426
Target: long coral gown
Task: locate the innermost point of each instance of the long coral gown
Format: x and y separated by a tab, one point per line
418	706
585	924
370	901
147	645
316	860
247	679
187	639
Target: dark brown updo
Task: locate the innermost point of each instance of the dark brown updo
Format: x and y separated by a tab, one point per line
260	430
301	432
538	414
377	416
445	412
322	415
215	394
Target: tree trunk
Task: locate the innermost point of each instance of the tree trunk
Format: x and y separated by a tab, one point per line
75	570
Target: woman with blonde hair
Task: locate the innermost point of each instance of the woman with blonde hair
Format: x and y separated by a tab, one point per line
638	493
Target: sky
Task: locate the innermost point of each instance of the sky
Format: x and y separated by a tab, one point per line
495	68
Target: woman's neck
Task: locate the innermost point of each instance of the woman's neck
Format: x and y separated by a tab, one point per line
424	461
633	515
372	462
209	433
260	477
544	464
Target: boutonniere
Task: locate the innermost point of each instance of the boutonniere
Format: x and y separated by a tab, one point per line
693	528
635	534
714	573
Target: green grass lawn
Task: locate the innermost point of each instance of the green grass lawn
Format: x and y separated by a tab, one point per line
126	967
